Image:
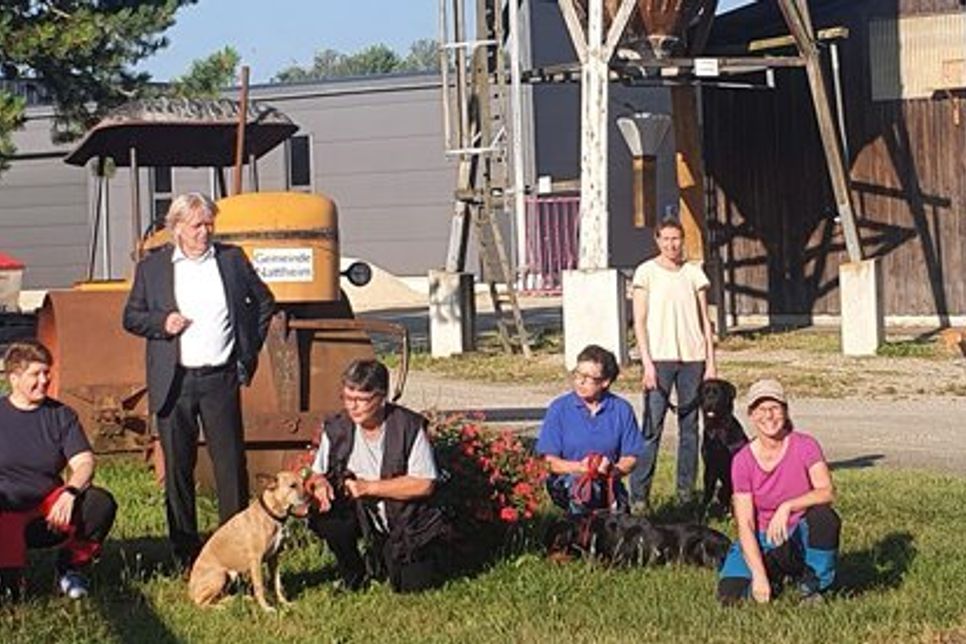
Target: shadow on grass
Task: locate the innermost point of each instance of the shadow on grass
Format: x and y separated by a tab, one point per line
859	462
122	605
880	567
296	583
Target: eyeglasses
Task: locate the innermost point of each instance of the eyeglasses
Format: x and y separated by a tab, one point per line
768	408
580	376
355	399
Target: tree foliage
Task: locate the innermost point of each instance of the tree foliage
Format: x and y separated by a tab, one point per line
374	59
208	76
82	52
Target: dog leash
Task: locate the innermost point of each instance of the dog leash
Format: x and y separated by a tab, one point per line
583	489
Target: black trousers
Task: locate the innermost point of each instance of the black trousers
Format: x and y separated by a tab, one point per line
92	519
212	397
809	561
340	528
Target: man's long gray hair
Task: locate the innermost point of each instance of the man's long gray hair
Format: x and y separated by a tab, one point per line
186	205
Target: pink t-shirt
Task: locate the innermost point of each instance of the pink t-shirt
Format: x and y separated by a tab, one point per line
788	480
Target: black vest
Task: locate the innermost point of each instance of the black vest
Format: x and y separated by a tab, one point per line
402	429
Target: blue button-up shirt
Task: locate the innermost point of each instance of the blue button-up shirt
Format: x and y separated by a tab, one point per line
569	431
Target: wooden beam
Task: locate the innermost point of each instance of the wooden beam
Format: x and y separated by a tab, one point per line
617	27
795	16
776	42
689	167
703	28
577	36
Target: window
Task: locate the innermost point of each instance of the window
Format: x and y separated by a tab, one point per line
162	187
299	163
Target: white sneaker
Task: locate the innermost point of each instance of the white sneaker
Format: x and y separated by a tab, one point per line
73	585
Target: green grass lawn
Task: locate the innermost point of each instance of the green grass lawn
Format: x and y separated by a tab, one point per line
903	570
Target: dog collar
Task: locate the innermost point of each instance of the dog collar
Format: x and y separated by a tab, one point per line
268	510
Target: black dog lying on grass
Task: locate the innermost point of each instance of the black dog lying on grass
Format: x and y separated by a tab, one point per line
626	540
723	437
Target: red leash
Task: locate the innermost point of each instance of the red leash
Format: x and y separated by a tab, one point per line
583	490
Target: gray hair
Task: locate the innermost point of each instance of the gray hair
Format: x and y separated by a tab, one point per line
188	204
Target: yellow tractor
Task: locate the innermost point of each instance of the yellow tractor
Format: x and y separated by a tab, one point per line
291	239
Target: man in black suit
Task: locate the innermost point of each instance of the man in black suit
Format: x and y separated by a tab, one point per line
204	312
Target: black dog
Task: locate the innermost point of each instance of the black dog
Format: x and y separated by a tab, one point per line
626	540
693	544
723	437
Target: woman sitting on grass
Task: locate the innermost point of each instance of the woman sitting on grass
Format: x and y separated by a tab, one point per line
782	507
590	438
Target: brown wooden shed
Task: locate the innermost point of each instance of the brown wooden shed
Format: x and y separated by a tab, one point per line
772	213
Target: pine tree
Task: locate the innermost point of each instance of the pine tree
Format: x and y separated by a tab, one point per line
81	52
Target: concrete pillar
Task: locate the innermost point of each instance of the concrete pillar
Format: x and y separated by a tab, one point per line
452	311
594	312
860	287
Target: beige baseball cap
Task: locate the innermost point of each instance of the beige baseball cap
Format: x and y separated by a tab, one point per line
766	388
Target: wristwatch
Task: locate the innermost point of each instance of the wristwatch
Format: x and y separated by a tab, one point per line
73	491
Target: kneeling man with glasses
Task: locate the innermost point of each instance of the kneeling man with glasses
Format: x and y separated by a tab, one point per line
374	476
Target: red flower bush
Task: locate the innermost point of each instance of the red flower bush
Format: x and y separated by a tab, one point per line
489	475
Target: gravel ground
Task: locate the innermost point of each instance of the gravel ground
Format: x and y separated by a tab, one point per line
902	412
922	432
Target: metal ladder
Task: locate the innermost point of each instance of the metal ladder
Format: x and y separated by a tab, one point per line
478	135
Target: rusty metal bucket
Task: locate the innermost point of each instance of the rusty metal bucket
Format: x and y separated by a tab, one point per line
656	26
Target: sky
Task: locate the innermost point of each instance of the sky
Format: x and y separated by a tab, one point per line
271	35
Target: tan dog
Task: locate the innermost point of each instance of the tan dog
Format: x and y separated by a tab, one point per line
246	540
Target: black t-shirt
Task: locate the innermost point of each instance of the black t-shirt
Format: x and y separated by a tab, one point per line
34	449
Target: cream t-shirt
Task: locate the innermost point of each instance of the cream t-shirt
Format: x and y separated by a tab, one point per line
673	317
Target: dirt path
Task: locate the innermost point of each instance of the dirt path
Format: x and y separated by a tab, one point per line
923	432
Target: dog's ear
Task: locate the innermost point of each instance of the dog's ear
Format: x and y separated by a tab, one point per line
730	390
266	480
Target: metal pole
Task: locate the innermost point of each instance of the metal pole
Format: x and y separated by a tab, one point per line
444	74
96	216
459	35
839	103
253	172
135	205
240	137
516	116
105	209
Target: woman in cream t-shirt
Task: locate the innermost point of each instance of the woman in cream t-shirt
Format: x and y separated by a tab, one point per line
675	339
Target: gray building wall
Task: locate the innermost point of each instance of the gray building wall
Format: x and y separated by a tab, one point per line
376	148
557	136
44	218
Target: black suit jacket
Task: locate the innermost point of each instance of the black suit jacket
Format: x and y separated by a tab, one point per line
250	309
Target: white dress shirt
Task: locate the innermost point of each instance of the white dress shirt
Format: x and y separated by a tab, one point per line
200	296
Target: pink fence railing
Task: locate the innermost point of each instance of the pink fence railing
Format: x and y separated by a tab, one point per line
552	235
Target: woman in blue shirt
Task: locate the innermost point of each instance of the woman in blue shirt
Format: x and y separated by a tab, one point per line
590	438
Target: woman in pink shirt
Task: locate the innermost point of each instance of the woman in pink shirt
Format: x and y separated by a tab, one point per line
782	507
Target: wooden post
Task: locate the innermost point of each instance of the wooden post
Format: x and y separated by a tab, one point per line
689	167
644	169
800	25
240	135
594	49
